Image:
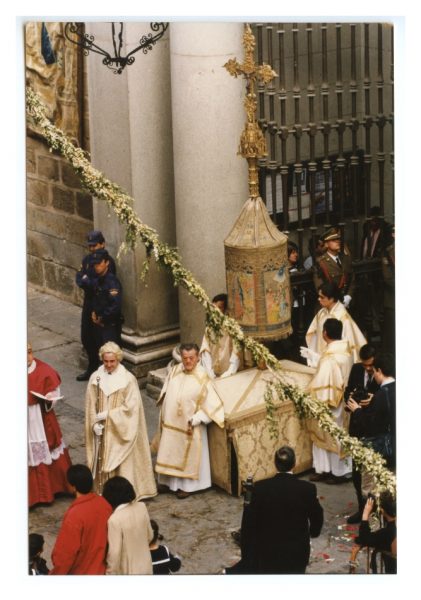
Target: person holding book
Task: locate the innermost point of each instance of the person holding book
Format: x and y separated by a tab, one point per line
48	456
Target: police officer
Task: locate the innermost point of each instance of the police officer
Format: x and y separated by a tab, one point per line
335	266
85	279
106	301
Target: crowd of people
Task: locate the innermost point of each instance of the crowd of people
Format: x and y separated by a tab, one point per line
107	529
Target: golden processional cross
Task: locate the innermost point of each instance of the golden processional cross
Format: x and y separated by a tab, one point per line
252	143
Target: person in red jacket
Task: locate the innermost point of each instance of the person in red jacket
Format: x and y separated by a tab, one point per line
81	544
48	457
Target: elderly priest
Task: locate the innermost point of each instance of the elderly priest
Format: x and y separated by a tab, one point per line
188	403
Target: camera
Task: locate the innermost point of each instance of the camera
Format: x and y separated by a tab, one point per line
372	497
359	393
247	489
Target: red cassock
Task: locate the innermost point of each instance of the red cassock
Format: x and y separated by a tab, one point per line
48	457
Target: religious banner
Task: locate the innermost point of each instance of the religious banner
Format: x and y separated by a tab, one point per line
52	71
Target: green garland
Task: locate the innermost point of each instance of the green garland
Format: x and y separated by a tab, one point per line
217	323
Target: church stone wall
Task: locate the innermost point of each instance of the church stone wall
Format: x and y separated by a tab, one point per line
59	215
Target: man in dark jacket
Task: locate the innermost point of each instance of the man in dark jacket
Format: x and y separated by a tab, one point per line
361	383
284	513
85	279
106	301
371	423
335	266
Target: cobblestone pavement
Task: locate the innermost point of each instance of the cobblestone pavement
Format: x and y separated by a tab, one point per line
197	528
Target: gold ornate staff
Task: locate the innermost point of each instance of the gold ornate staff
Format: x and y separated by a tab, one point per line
252	143
99	440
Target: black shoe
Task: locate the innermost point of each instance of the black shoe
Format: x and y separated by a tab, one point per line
355	518
83	376
318	476
335	480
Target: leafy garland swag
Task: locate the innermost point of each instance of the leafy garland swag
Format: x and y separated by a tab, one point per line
306	406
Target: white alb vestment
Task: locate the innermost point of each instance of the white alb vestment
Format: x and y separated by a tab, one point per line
328	385
124	447
183	458
219	358
350	330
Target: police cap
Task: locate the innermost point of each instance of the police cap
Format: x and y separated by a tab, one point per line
99	255
95	237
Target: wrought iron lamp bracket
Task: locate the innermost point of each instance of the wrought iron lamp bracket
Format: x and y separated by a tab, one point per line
74	33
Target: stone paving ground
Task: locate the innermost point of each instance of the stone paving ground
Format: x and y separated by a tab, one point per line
197	528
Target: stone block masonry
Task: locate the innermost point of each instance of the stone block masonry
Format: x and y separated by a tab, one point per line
59	215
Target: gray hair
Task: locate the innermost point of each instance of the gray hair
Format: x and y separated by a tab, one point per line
113	348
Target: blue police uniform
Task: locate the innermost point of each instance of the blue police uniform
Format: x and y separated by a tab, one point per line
106	304
86	280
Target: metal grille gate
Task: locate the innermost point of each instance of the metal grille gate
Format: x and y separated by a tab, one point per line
328	122
328	119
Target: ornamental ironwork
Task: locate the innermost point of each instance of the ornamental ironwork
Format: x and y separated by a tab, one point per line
75	33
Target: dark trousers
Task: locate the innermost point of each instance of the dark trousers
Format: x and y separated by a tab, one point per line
107	333
356	480
88	339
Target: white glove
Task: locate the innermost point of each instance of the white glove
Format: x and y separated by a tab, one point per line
101	416
311	356
98	429
195	420
347	300
233	368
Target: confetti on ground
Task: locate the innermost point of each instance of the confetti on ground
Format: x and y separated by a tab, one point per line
343	548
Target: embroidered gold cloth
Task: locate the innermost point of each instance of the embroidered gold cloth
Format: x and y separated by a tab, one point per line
183	395
350	332
124	445
328	385
246	430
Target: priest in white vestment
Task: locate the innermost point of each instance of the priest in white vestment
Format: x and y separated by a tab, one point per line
332	308
328	385
116	435
188	403
220	358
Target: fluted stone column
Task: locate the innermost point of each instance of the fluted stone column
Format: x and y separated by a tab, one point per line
131	143
210	179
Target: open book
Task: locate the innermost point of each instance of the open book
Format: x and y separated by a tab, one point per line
38	395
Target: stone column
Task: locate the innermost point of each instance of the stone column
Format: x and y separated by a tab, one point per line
210	179
131	143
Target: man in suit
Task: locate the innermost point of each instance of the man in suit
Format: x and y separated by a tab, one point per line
371	422
374	234
361	379
335	266
374	241
284	513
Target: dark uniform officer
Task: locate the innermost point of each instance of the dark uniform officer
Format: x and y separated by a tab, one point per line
106	302
335	266
85	279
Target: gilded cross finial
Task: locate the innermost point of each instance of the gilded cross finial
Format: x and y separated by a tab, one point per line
252	142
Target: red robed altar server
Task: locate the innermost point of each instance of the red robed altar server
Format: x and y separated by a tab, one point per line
48	457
